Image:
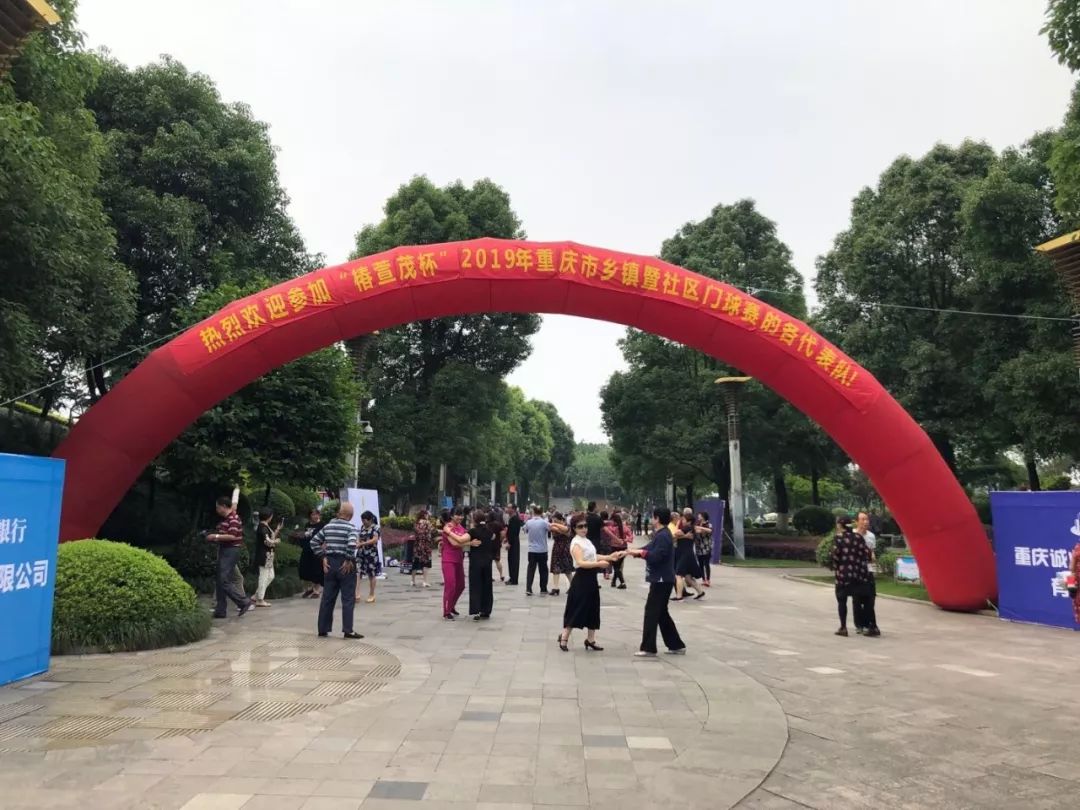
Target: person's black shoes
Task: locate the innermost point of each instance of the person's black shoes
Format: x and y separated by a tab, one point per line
842	631
353	635
323	635
873	632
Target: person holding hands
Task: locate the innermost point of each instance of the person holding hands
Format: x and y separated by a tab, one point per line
583	599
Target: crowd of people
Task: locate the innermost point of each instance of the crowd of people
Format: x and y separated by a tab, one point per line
337	555
584	548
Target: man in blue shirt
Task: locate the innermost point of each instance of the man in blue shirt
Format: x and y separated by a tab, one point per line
537	529
659	558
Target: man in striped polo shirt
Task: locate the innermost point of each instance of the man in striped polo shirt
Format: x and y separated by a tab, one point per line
335	543
229	536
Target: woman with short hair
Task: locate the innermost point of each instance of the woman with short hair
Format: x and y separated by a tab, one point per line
421	557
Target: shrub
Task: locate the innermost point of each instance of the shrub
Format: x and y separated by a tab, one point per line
1060	483
304	500
112	597
813	520
403	522
286	555
824	551
982	506
779	551
886	564
840	512
330	509
282	504
881	546
195	558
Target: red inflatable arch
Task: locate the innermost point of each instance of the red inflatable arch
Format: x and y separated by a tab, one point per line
117	438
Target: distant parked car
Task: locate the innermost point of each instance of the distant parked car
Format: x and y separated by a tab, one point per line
766	521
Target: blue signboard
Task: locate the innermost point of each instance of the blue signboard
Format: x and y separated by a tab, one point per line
1035	534
30	490
714	508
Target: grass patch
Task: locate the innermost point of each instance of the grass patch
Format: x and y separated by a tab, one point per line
887	586
756	562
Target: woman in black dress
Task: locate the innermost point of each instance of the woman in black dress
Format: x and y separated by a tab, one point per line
310	568
686	563
481	552
583	599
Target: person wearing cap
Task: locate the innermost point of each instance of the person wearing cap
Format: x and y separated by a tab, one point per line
850	563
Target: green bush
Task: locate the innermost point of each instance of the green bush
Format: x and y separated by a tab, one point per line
886	564
824	551
840	512
329	510
287	555
1058	484
111	597
403	522
813	520
282	504
881	546
982	506
304	500
195	559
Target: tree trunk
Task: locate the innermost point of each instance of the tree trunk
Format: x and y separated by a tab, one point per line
690	495
944	445
782	505
815	495
1033	475
266	496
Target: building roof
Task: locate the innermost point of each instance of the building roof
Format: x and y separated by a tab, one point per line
18	20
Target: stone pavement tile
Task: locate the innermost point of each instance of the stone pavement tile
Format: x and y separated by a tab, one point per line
365	763
330	803
657	743
609	753
378	744
415	746
494	794
414	760
259	802
561	794
510	771
762	799
288	786
125	782
604	740
452	791
388	789
84	777
503	806
217	801
344	788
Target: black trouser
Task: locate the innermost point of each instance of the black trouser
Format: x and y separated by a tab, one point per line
537	559
842	594
617	572
226	586
657	615
706	569
481	598
513	561
863	599
334	581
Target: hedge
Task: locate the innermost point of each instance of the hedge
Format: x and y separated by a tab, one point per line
813	520
112	597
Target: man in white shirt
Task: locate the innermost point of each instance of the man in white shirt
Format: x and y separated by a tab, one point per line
864	604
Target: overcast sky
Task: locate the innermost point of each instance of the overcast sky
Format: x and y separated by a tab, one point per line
610	123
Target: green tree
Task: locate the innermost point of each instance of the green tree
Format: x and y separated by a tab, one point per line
294	426
592	473
664	414
191	187
885	287
419	372
1062	29
562	449
63	296
1030	384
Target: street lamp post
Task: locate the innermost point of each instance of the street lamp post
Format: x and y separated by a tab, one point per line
365	428
730	387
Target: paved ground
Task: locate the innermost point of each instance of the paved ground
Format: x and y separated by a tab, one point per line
769	710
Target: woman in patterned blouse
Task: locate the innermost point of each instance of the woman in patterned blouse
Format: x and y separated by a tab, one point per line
850	564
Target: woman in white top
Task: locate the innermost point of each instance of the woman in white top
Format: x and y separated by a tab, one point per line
583	598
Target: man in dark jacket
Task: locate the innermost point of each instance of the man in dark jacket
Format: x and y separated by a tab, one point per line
659	558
